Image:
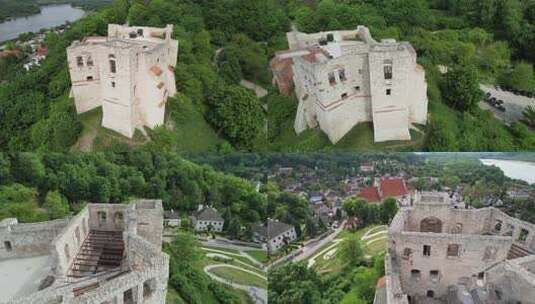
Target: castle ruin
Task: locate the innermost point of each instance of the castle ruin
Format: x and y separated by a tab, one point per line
438	253
107	253
130	73
342	78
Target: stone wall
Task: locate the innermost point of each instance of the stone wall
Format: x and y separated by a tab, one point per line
513	282
66	245
339	79
26	240
394	291
436	248
107	217
132	95
472	254
522	233
142	278
150	220
146	281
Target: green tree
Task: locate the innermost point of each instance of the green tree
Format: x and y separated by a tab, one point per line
522	77
294	283
350	251
28	168
461	88
441	135
56	205
237	112
389	208
186	247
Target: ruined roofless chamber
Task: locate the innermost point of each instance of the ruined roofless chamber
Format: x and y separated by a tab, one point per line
440	253
107	253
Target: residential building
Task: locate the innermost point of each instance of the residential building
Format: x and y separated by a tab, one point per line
207	219
274	234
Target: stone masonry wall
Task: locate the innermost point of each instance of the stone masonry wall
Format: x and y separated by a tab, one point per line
28	240
475	253
66	245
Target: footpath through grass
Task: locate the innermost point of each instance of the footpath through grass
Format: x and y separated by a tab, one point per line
259	255
239	277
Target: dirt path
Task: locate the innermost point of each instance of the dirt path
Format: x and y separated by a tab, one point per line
259	295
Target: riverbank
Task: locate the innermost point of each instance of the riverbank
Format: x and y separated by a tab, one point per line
515	169
50	16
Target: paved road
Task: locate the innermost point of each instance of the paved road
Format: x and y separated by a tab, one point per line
514	104
259	295
310	249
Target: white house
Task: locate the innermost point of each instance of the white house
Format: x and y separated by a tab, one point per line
207	219
274	234
171	218
342	78
130	73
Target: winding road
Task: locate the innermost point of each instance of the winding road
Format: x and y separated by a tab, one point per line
259	295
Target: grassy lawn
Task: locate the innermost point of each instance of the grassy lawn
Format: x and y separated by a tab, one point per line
232	251
333	264
192	131
96	137
250	266
259	255
360	138
239	277
376	247
186	122
173	297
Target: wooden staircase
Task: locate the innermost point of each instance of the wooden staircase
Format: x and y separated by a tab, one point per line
101	251
516	252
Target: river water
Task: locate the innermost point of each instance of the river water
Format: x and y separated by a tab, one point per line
50	16
514	169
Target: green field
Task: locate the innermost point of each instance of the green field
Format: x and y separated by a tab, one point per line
239	277
259	255
185	127
334	265
192	131
96	137
360	138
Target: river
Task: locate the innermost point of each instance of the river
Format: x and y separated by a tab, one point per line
514	169
50	16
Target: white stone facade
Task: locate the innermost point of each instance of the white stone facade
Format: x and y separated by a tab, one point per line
130	73
203	225
342	78
441	254
279	241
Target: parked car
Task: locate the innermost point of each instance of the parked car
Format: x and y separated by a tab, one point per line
501	108
487	94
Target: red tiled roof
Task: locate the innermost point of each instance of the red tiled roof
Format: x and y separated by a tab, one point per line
393	187
370	194
42	51
283	72
8	53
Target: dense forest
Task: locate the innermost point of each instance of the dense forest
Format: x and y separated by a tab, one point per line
28	181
